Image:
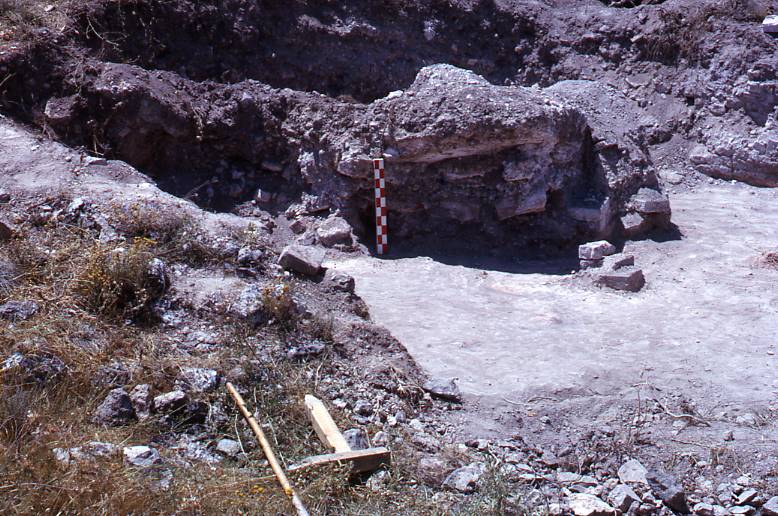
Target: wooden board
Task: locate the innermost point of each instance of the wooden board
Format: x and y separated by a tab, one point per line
325	427
361	460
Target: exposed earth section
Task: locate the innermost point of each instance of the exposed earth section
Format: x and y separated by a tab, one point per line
577	315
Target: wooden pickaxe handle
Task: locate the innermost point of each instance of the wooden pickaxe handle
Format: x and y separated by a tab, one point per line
268	450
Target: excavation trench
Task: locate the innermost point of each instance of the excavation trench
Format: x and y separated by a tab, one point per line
188	93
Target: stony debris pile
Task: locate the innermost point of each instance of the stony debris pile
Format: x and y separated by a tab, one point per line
607	268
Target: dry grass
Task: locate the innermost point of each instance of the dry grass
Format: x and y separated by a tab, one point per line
84	294
175	235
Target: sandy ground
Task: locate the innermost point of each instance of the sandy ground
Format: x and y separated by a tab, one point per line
704	326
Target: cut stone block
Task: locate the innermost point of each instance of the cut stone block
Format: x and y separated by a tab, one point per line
627	278
303	259
618	261
650	201
634	224
770	25
595	250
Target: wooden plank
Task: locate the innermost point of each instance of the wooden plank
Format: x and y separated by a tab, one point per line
361	460
325	427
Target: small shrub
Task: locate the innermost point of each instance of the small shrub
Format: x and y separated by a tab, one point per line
279	304
176	236
116	282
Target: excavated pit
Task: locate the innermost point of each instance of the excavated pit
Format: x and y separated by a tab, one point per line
218	101
361	52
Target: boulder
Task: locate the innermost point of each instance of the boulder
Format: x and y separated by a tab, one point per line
628	279
116	409
445	389
333	231
141	456
305	260
595	250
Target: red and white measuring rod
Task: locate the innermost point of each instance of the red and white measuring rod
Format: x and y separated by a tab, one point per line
382	241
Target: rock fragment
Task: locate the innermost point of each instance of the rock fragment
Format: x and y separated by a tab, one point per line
228	447
250	305
363	408
445	389
197	379
622	497
6	233
248	256
115	410
589	505
634	225
170	401
305	260
465	479
771	507
433	470
356	439
648	201
333	231
633	471
40	368
141	456
18	310
339	281
306	350
141	400
596	250
669	491
628	279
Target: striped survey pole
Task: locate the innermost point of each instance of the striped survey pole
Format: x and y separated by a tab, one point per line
382	241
